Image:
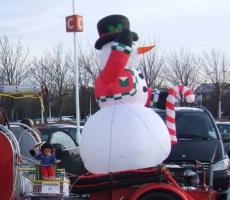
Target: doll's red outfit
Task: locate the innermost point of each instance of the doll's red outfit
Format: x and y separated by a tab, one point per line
46	164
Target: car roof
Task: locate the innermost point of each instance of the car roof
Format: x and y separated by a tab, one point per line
60	126
50	129
188	109
227	123
181	109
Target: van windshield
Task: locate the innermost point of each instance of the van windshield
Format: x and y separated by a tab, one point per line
193	125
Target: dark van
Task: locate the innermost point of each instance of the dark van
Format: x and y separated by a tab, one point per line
199	139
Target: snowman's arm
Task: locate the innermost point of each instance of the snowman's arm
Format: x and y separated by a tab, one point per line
152	97
156	98
116	63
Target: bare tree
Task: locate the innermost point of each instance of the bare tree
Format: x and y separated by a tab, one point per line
216	70
40	74
54	71
13	62
152	64
63	78
13	68
39	70
182	67
89	65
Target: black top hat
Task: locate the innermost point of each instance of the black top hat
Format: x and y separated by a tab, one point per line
109	27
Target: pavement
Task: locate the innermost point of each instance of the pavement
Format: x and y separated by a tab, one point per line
86	198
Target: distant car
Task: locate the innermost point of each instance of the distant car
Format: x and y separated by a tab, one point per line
70	129
65	140
224	129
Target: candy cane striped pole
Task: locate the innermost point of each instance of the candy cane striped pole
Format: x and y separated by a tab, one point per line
170	107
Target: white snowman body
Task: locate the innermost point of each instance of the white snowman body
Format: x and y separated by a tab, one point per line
124	134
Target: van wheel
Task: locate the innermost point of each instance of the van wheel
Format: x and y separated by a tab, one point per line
222	197
160	196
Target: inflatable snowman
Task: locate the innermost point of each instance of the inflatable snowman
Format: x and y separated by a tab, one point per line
123	134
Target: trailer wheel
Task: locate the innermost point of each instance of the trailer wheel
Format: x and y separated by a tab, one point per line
160	195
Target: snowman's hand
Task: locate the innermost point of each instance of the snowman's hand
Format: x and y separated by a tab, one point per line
32	152
125	37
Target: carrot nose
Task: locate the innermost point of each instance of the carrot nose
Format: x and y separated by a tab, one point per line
142	50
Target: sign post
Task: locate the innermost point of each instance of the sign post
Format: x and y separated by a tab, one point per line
74	23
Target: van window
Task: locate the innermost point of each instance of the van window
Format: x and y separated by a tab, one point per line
193	125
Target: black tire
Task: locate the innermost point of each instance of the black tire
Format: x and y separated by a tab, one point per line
160	195
222	197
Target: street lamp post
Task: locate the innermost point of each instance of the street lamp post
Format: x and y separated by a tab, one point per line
74	23
220	103
90	105
76	76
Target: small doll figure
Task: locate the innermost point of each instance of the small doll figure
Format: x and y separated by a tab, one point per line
47	160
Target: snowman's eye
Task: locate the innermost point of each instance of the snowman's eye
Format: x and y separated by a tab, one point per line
111	28
119	27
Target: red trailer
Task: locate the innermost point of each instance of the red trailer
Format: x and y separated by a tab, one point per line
6	166
9	152
163	183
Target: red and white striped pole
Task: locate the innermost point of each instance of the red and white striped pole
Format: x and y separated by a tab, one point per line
170	107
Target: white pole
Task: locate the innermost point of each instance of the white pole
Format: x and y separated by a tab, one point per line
219	104
201	99
76	77
42	117
90	105
50	112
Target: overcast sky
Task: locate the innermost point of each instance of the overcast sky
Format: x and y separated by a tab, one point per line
197	25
